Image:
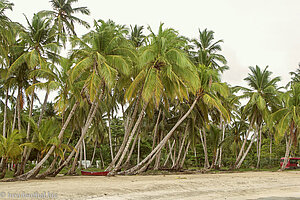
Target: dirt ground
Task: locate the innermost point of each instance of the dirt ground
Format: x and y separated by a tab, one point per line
248	185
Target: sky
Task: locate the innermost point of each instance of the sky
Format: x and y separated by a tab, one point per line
256	32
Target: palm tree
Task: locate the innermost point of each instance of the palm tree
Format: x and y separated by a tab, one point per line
207	51
10	148
101	55
136	35
262	101
40	45
63	14
164	71
288	118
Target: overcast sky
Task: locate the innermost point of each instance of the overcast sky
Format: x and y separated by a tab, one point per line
256	32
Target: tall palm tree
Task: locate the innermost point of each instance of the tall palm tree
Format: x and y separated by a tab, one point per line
262	100
63	14
288	118
207	51
164	72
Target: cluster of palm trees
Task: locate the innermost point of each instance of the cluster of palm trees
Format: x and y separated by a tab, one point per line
150	99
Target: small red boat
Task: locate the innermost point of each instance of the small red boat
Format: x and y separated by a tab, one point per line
84	173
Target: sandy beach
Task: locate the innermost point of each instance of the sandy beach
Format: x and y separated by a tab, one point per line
248	185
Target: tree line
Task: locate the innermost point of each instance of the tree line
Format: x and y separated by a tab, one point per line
132	100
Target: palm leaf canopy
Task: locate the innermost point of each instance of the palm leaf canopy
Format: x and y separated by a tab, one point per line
164	68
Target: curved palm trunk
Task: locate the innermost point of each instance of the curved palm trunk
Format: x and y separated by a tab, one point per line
152	155
126	135
39	123
31	173
49	170
89	120
117	167
244	143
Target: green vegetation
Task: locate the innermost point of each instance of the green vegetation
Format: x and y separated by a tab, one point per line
133	102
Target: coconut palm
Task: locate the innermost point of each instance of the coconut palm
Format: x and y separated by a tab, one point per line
63	14
164	72
262	101
288	118
207	51
10	149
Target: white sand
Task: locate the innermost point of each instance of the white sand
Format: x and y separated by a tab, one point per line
249	185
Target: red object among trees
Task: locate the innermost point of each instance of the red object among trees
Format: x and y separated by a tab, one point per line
292	163
84	173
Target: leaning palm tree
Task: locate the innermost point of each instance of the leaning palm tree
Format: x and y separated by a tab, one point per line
101	55
165	72
39	40
262	101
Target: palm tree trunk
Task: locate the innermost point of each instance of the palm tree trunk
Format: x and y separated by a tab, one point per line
24	160
288	147
139	150
94	151
203	140
30	173
221	147
126	135
88	122
185	153
287	153
5	113
271	147
155	129
117	167
19	109
176	166
244	143
259	147
72	170
163	142
4	168
157	160
127	162
101	157
84	153
43	108
80	156
39	123
170	152
49	170
15	117
109	137
245	154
